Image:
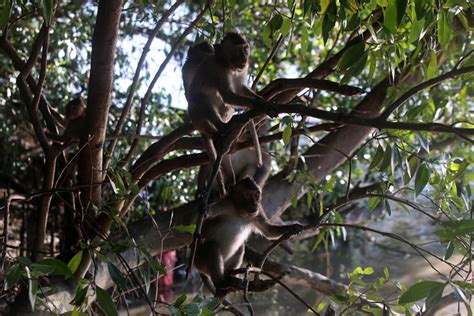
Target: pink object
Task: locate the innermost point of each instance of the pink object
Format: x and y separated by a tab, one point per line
168	259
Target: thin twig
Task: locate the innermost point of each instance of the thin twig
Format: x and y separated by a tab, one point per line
133	87
424	85
246	290
174	48
6	222
291	292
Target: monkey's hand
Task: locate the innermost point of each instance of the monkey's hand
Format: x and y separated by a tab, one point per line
269	108
295	229
229	284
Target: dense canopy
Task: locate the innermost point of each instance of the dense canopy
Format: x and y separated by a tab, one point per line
374	104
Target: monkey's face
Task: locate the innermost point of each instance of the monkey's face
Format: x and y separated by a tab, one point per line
75	108
246	194
252	200
240	56
236	54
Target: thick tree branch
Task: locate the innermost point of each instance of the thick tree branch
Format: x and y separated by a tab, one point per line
156	151
98	102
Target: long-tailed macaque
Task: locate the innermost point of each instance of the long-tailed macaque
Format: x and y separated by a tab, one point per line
224	234
196	55
219	85
238	165
74	121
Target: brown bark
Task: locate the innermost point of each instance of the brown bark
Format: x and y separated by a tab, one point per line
90	172
98	100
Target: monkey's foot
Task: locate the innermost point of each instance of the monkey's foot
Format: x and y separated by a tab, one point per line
229	284
270	109
295	229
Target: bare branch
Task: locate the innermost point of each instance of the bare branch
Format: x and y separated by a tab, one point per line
133	87
283	84
174	48
427	84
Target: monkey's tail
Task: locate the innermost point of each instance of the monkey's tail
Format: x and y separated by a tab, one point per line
211	151
256	142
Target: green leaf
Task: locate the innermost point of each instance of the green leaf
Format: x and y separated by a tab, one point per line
191	309
5	14
388	209
390	17
48	7
306	6
180	300
373	202
415	30
454	229
52	266
304	39
372	66
266	33
421	179
377	157
418	291
285	27
324	5
351	56
449	251
80	296
434	296
276	22
154	264
368	271
206	312
12	276
212	303
24	260
309	200
117	276
75	261
357	68
432	66
290	4
32	288
287	135
186	228
401	9
387	158
443	28
393	14
105	302
329	20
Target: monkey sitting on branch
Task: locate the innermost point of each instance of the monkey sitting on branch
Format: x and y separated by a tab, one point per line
224	235
74	122
217	85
